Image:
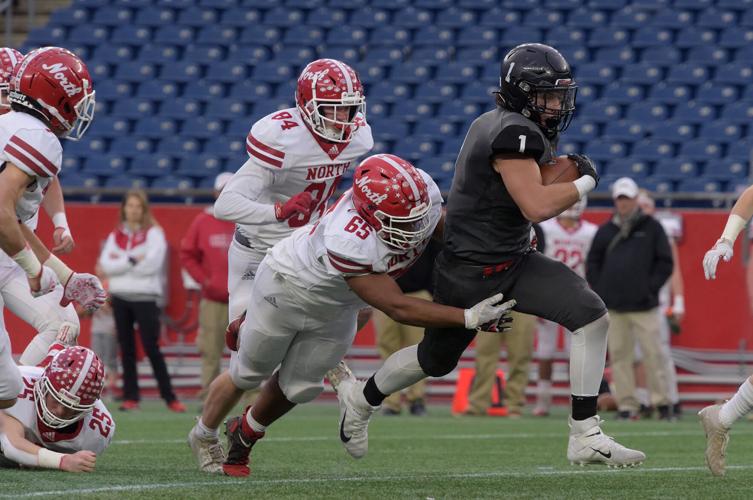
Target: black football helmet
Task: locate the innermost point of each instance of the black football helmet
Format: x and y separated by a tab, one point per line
536	82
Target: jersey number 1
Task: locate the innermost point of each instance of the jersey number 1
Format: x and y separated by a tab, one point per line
522	148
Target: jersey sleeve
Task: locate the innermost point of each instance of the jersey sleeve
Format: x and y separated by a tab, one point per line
519	140
347	253
238	201
263	143
36	152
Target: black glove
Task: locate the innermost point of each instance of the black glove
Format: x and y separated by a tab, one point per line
585	166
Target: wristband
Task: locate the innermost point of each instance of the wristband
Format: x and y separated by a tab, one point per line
28	262
62	271
60	220
584	184
735	224
49	459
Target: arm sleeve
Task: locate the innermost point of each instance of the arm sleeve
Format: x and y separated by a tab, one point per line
238	200
113	260
36	152
663	262
190	252
155	253
519	140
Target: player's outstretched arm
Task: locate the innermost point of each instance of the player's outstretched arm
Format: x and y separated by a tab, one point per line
55	207
382	292
537	202
17	448
739	216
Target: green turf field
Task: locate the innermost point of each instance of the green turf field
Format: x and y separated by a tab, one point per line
439	456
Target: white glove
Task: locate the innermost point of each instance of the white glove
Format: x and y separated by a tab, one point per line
721	249
84	289
48	280
68	333
489	315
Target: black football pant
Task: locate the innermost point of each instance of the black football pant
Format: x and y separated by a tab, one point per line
541	286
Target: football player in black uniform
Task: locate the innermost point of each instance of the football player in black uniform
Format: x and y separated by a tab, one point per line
496	194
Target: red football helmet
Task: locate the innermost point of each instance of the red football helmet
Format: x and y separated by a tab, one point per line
390	194
54	83
330	97
74	378
8	59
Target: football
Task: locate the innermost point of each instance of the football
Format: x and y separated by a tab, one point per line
561	169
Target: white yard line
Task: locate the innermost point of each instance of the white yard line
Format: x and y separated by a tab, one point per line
356	479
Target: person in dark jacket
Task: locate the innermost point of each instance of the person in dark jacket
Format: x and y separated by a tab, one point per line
629	261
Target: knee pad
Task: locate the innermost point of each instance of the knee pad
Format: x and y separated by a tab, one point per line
300	392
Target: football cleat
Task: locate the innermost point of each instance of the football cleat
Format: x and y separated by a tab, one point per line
355	411
240	440
208	452
588	445
717	437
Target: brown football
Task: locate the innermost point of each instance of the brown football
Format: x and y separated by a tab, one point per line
561	169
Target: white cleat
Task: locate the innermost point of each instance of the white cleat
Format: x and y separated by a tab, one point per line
717	437
355	411
208	452
588	445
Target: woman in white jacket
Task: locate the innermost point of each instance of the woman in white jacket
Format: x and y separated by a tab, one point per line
133	259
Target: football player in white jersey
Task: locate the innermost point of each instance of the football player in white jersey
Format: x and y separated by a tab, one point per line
51	320
296	159
717	419
306	296
568	239
51	97
59	422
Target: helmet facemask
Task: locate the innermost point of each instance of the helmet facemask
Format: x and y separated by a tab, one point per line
331	127
551	106
42	388
405	232
84	116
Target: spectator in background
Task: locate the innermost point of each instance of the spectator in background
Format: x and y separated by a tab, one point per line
133	259
671	296
392	336
568	239
519	344
203	254
629	261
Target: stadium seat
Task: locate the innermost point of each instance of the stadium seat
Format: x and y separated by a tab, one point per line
412	18
433	36
155	127
133	108
613	55
595	73
652	150
105	165
158	54
202	128
606	36
253	35
181	72
179	146
453	17
706	54
622	93
699	184
197	17
603	150
129	145
368	17
514	35
702	150
647	111
434	130
226	72
390	36
735	74
628	167
600	111
739	113
650	36
676	169
623	130
410	73
154	16
735	37
151	165
126	182
716	93
672	18
663	55
670	94
326	17
415	110
727	169
694	112
694	37
477	35
673	131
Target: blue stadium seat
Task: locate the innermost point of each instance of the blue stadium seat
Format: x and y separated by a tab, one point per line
614	55
428	55
716	19
624	131
595	73
273	72
157	90
105	165
158	54
652	150
603	150
673	131
720	131
99	70
600	111
248	54
239	17
479	92
154	17
131	35
390	129
110	16
514	35
699	184
687	73
676	169
586	18
670	93
155	127
728	169
457	72
250	91
39	37
130	145
694	37
702	150
202	128
218	34
386	56
693	4
672	18
434	130
112	54
706	54
627	167
657	184
78	180
498	16
326	17
451	146
256	35
88	35
735	38
303	35
200	166
716	93
629	18
196	17
69	17
477	35
454	17
377	110
664	55
226	146
478	55
434	36
582	131
172	183
739	113
368	17
108	127
126	182
134	108
181	71
622	93
650	36
387	92
560	36
735	74
546	18
179	146
226	72
459	111
373	73
282	17
302	4
345	53
226	109
344	35
411	73
174	35
434	4
694	112
389	35
642	74
416	110
412	18
607	36
746	19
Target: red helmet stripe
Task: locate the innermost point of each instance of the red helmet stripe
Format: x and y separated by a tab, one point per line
46	164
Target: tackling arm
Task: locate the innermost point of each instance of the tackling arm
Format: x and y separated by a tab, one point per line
536	201
55	207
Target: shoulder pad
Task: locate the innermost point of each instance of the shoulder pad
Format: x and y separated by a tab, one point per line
35	151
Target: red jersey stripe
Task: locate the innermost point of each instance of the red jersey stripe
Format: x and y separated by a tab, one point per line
267	149
25	146
348	263
266	159
348	270
24	161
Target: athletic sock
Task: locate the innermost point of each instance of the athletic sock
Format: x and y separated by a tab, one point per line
372	393
253	424
205	432
740	404
584	406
